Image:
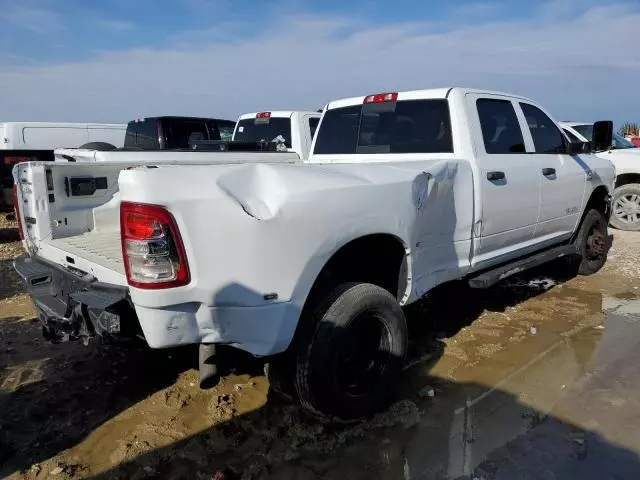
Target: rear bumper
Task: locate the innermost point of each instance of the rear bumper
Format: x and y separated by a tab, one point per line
73	304
261	331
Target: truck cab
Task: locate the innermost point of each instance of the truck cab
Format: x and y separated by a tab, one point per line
171	132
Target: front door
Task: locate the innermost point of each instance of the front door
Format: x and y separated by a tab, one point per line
563	177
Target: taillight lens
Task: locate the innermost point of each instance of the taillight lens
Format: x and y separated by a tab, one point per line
16	210
381	98
152	249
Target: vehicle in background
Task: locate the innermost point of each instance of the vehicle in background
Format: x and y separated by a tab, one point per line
32	141
291	132
626	159
634	140
309	263
172	132
270	126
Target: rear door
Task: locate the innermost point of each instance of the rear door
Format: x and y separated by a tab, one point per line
509	179
563	177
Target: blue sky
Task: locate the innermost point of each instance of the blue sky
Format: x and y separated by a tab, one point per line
113	60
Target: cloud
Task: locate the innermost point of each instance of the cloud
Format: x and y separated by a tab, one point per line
574	67
32	18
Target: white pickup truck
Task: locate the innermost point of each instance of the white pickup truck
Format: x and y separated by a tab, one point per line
293	130
625	157
310	263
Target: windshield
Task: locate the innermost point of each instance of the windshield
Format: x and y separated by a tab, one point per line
410	126
618	141
266	129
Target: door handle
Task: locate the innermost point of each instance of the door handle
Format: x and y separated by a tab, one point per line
548	171
495	176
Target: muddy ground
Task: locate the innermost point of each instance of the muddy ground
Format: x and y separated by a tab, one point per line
536	378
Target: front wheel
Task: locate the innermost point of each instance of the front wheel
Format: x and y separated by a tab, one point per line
350	366
626	207
592	243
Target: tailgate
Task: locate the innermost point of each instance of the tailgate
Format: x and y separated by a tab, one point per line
70	216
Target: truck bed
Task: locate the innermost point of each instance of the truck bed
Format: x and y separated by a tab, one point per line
100	248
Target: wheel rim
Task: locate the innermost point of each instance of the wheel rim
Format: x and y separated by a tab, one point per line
363	355
626	208
596	241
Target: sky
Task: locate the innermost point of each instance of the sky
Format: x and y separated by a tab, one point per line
115	60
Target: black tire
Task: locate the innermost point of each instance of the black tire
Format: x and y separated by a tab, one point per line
281	372
592	243
100	146
625	213
349	366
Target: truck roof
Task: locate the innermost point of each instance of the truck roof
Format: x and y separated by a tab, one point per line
179	117
280	114
432	93
573	124
63	124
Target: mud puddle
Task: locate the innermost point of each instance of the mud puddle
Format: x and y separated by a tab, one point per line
535	376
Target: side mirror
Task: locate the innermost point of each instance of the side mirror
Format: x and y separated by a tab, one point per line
602	135
574	148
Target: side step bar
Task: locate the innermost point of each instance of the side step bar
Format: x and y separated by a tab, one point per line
495	275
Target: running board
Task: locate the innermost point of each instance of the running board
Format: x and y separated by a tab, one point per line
491	277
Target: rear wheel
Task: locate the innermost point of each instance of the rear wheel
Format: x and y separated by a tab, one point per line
100	146
350	366
626	207
592	243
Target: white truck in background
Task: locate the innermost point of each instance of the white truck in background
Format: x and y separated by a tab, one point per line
309	263
293	130
29	141
625	157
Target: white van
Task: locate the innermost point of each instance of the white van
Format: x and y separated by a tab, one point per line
49	136
29	141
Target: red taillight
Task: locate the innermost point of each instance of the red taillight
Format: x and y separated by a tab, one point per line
152	249
16	209
13	160
263	115
381	97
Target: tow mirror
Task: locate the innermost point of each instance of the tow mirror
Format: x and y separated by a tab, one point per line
602	135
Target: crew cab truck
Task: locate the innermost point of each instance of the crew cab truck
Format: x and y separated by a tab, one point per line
310	264
292	130
625	157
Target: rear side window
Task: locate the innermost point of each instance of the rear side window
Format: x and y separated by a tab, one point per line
143	134
183	133
264	129
500	128
225	129
547	137
410	126
313	125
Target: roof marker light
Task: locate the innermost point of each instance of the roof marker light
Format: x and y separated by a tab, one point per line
381	97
